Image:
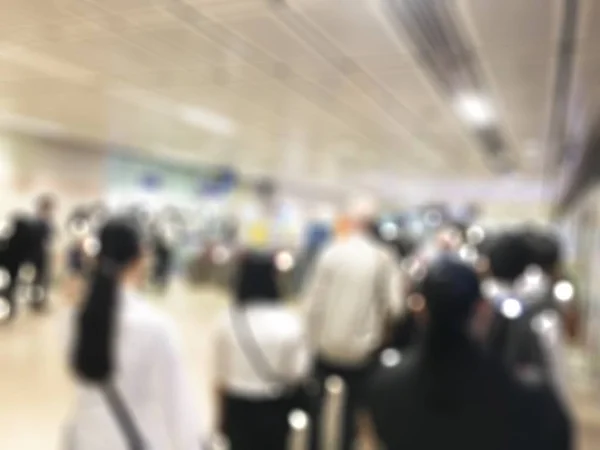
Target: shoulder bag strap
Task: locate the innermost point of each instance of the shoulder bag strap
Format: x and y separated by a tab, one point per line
251	348
123	417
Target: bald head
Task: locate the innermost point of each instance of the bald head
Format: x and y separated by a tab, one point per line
362	212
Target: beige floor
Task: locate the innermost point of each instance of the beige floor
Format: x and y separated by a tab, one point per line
35	390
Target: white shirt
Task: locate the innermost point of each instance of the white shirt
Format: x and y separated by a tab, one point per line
355	287
151	380
281	338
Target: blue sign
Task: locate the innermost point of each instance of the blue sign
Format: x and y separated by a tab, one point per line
152	181
220	183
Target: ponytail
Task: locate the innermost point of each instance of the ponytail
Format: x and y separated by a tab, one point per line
93	354
93	358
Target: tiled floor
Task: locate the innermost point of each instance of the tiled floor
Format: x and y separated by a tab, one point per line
35	391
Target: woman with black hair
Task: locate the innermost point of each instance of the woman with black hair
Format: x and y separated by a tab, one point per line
133	393
448	393
262	359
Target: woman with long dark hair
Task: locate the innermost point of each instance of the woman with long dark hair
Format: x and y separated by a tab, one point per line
132	390
262	359
448	393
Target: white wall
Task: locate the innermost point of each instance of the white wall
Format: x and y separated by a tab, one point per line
29	167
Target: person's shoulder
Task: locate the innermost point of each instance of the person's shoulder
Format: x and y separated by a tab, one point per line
144	315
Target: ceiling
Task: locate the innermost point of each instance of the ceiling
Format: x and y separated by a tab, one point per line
321	89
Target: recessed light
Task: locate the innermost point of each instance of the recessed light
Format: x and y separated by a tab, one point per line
474	109
208	120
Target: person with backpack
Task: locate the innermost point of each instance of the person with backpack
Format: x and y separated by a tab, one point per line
526	333
448	392
261	357
133	392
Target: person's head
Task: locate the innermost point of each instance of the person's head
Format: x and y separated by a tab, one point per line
452	299
509	256
545	251
256	279
449	238
45	206
119	261
361	214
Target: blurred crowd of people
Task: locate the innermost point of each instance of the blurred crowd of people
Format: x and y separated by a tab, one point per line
453	341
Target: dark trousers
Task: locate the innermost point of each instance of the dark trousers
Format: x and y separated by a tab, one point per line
356	379
255	424
10	290
40	284
162	270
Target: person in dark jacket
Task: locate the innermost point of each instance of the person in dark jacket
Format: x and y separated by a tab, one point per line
449	393
40	251
27	241
14	252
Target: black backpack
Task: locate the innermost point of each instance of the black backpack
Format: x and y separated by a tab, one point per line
517	344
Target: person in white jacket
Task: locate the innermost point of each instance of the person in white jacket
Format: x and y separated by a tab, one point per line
132	388
262	359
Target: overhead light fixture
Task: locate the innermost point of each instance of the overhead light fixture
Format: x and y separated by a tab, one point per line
474	109
208	120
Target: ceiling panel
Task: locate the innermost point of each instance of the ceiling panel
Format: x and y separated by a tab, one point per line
333	71
353	27
508	26
269	35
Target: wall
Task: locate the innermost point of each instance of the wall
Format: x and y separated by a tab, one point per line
30	167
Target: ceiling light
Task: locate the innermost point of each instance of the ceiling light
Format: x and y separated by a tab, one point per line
474	109
208	120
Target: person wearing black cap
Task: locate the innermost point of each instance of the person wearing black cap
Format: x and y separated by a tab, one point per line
448	393
262	359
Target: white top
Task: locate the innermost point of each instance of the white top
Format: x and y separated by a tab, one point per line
355	287
151	380
281	338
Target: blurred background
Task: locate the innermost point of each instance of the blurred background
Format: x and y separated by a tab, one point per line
224	123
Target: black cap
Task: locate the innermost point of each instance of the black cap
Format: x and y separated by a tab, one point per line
509	255
451	288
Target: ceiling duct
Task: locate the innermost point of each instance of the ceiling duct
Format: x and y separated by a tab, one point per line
433	31
563	85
